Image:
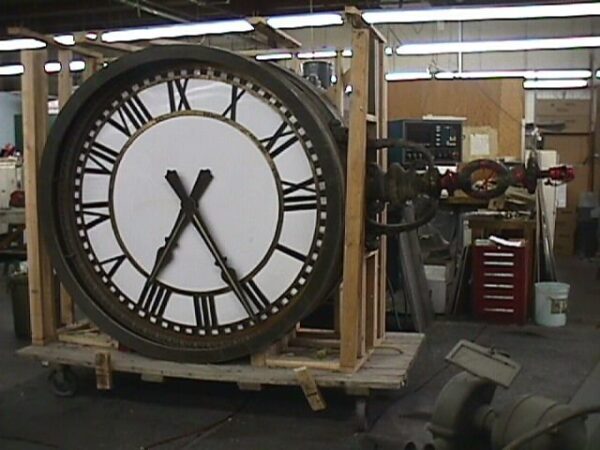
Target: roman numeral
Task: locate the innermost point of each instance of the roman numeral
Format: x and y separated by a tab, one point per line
205	311
131	112
291	252
270	142
303	202
178	86
113	264
103	158
231	110
154	299
255	295
98	211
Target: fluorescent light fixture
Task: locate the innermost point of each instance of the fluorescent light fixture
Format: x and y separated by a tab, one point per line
317	54
11	69
180	30
527	74
498	46
92	36
405	15
11	45
348	90
273	56
305	20
407	76
347	53
76	66
480	74
554	84
598	73
65	39
333	79
583	74
389	51
52	67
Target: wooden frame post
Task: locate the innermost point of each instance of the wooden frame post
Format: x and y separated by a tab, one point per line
34	87
352	330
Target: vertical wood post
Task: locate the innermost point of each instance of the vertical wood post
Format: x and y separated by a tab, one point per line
352	331
65	89
34	87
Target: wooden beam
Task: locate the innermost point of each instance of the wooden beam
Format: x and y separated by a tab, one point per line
49	40
352	333
34	88
354	16
274	37
116	46
311	390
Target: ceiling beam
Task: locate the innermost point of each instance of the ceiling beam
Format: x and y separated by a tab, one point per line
49	40
274	38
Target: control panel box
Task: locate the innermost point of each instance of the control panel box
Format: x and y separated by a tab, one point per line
443	138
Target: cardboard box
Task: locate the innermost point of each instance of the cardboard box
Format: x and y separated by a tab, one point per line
564	242
564	248
571	149
562	108
570	124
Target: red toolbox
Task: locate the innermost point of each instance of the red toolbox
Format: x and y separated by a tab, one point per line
501	282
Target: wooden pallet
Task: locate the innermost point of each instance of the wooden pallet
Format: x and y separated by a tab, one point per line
386	369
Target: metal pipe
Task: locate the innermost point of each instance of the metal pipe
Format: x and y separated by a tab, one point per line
151	9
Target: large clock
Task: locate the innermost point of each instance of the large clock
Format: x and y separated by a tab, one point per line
192	202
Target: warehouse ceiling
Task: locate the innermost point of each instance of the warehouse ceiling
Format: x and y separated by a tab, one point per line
60	16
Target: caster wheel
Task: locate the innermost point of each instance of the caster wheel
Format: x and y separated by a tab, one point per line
362	419
63	381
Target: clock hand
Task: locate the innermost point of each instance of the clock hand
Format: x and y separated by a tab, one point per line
163	253
189	207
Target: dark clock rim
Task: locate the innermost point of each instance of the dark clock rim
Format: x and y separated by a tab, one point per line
327	269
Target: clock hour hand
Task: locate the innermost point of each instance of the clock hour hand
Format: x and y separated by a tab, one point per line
163	253
189	207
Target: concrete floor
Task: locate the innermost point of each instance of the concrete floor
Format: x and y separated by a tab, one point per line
140	415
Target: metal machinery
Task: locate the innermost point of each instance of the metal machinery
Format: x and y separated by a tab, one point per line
193	200
464	419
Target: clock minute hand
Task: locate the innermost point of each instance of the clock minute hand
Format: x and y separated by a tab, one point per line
162	254
189	207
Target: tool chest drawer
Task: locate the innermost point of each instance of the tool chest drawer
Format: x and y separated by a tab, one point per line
501	283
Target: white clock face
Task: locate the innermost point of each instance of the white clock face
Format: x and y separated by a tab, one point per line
264	207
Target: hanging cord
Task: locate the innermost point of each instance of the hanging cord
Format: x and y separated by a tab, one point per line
538	431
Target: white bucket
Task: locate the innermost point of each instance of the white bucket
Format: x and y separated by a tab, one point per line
551	303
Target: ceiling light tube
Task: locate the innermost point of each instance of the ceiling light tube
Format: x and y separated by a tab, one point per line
305	20
558	74
273	56
464	14
554	84
407	76
317	54
480	74
52	67
11	45
65	39
180	30
76	66
11	69
347	53
499	46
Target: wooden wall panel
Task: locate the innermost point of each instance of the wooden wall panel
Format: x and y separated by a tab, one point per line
496	103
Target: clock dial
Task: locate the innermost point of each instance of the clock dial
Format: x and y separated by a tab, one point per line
194	203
